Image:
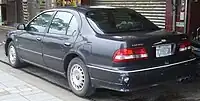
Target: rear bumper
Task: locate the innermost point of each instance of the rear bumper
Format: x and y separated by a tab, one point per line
126	81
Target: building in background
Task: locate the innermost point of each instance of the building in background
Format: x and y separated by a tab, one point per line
154	10
24	10
183	16
33	7
1	22
10	12
73	3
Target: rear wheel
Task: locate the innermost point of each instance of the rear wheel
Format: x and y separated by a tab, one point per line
13	57
78	78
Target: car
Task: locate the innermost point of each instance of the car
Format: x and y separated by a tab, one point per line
196	43
112	48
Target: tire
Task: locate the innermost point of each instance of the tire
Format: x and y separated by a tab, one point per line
76	70
13	57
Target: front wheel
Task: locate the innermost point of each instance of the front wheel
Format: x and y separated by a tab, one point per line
13	57
78	78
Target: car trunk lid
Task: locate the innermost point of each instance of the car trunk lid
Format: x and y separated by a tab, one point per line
163	48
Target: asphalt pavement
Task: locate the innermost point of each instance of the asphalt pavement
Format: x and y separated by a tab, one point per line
57	85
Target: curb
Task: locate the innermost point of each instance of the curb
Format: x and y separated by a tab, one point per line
7	27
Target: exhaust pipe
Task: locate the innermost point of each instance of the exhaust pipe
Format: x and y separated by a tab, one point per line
185	79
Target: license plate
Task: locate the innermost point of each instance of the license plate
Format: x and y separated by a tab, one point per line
163	50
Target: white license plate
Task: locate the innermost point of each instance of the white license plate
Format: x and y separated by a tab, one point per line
163	50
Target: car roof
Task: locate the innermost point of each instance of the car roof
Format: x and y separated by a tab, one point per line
85	9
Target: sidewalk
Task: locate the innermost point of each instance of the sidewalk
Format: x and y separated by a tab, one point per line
14	89
7	28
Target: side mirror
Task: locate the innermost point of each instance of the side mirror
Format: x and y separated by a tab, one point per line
21	27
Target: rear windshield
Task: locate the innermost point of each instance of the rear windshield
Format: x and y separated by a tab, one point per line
119	20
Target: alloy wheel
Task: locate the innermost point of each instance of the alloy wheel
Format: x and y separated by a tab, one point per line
12	55
77	77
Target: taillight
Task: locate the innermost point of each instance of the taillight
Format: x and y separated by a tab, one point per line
130	54
186	45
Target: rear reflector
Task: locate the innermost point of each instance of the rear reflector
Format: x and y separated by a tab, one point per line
186	45
130	54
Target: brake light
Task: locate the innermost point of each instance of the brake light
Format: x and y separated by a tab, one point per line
130	54
186	45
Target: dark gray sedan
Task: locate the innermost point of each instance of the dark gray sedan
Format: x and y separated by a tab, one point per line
113	48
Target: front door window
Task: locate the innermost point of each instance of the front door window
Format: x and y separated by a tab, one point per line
40	23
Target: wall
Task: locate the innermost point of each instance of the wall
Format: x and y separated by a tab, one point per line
153	10
181	19
168	16
193	16
0	14
31	8
11	12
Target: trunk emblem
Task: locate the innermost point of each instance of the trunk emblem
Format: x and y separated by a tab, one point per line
160	42
163	40
135	45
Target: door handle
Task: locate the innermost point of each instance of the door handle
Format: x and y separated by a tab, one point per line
38	39
67	44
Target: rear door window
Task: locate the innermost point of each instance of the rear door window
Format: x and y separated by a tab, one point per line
73	26
60	23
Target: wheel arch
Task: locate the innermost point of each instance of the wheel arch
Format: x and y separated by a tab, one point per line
71	56
7	44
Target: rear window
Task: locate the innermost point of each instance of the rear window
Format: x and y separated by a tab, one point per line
119	20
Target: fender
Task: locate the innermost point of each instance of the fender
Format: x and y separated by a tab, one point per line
81	55
82	52
9	37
